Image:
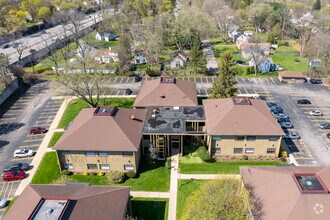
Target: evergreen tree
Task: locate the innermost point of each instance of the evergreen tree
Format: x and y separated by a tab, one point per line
197	59
224	86
317	5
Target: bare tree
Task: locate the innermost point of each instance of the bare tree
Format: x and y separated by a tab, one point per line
255	50
4	63
226	19
20	48
304	29
84	87
53	56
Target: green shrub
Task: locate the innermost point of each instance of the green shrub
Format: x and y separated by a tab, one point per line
297	60
152	72
130	174
284	154
66	172
203	154
93	173
85	173
286	44
245	157
116	177
100	173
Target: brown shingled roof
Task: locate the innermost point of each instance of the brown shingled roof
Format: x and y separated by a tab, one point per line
280	195
155	93
223	117
291	74
88	202
104	133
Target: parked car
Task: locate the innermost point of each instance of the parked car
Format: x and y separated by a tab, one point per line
281	115
32	50
328	135
315	81
271	104
3	203
5	46
303	101
315	113
23	153
277	110
286	124
37	130
17	167
275	107
291	135
280	120
325	125
137	78
13	175
128	91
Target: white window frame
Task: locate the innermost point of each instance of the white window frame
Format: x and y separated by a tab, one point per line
103	153
271	152
90	153
91	164
68	166
104	166
249	150
128	167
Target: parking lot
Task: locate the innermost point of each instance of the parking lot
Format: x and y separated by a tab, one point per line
31	108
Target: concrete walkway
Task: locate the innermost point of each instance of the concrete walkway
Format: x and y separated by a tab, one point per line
173	186
42	149
208	176
164	195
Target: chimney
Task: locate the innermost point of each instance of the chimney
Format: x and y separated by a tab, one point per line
162	96
133	117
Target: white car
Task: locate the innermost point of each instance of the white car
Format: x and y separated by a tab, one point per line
291	135
3	203
23	153
281	115
315	113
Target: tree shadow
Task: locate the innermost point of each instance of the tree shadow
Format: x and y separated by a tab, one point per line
148	209
3	143
257	206
146	165
9	127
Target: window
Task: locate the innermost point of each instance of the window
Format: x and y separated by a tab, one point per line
273	138
238	150
218	150
216	138
239	138
91	166
249	150
127	153
65	152
271	150
68	166
177	63
103	153
104	166
128	167
251	138
90	153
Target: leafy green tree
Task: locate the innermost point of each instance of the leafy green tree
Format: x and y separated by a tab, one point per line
32	7
44	13
124	53
317	5
224	86
218	199
197	58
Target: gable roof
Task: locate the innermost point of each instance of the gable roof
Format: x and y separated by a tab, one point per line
181	55
107	34
291	74
85	202
280	195
224	117
104	133
247	47
156	93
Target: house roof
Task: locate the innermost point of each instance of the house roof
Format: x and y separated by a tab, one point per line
160	93
250	46
291	74
280	195
84	202
230	117
107	34
181	55
117	132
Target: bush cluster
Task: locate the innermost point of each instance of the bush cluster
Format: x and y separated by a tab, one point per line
116	177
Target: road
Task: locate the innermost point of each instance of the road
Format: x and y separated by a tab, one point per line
37	41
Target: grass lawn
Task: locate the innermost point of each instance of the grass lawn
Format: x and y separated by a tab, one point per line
221	167
90	39
185	189
48	170
75	106
93	180
150	208
151	177
287	61
56	136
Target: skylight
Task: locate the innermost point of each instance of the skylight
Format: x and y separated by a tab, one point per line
310	183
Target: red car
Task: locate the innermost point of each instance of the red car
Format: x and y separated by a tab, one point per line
37	130
13	175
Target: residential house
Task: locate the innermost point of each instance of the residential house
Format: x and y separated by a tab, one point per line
288	192
264	64
315	62
239	125
106	36
259	48
74	202
248	33
106	56
292	77
85	51
241	41
179	60
139	57
102	139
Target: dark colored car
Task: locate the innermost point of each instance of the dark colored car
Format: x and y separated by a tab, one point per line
32	50
281	120
17	167
137	78
271	104
325	125
13	175
328	135
315	81
239	62
128	91
5	46
303	101
37	130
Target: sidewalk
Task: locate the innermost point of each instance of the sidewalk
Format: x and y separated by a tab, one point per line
144	194
42	149
173	187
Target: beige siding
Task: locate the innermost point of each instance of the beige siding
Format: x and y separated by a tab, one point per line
116	161
259	145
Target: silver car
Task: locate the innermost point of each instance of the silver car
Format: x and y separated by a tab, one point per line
315	113
291	135
3	203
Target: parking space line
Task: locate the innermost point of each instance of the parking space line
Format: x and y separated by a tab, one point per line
9	192
3	185
117	92
25	141
49	117
10	118
267	80
23	158
35	135
26	146
50	109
